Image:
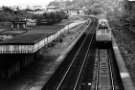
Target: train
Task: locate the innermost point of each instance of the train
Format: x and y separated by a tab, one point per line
103	32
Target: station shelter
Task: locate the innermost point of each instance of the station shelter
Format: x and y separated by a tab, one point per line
18	24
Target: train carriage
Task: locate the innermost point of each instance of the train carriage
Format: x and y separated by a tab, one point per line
103	33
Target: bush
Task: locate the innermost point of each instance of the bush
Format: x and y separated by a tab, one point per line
53	17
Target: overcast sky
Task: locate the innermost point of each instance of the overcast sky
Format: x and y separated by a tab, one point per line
24	3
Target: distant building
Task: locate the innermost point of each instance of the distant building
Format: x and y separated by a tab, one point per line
37	11
18	24
36	7
31	22
52	8
75	11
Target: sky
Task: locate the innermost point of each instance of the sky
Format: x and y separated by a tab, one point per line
24	3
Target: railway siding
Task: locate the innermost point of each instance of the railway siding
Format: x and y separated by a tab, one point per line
124	74
104	78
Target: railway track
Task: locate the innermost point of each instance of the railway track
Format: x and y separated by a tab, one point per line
68	75
87	67
105	76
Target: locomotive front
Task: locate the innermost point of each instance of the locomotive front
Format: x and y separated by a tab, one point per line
103	33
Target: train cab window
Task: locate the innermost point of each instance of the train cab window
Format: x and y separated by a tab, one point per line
100	27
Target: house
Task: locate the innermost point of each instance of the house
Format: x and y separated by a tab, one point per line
18	24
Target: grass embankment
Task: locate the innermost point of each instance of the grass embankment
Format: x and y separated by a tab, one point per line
126	42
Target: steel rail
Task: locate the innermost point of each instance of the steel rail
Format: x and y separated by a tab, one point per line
71	64
82	66
111	72
97	72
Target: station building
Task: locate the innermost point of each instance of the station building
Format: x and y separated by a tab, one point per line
18	25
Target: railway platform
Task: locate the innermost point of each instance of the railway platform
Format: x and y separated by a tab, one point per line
32	42
30	82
